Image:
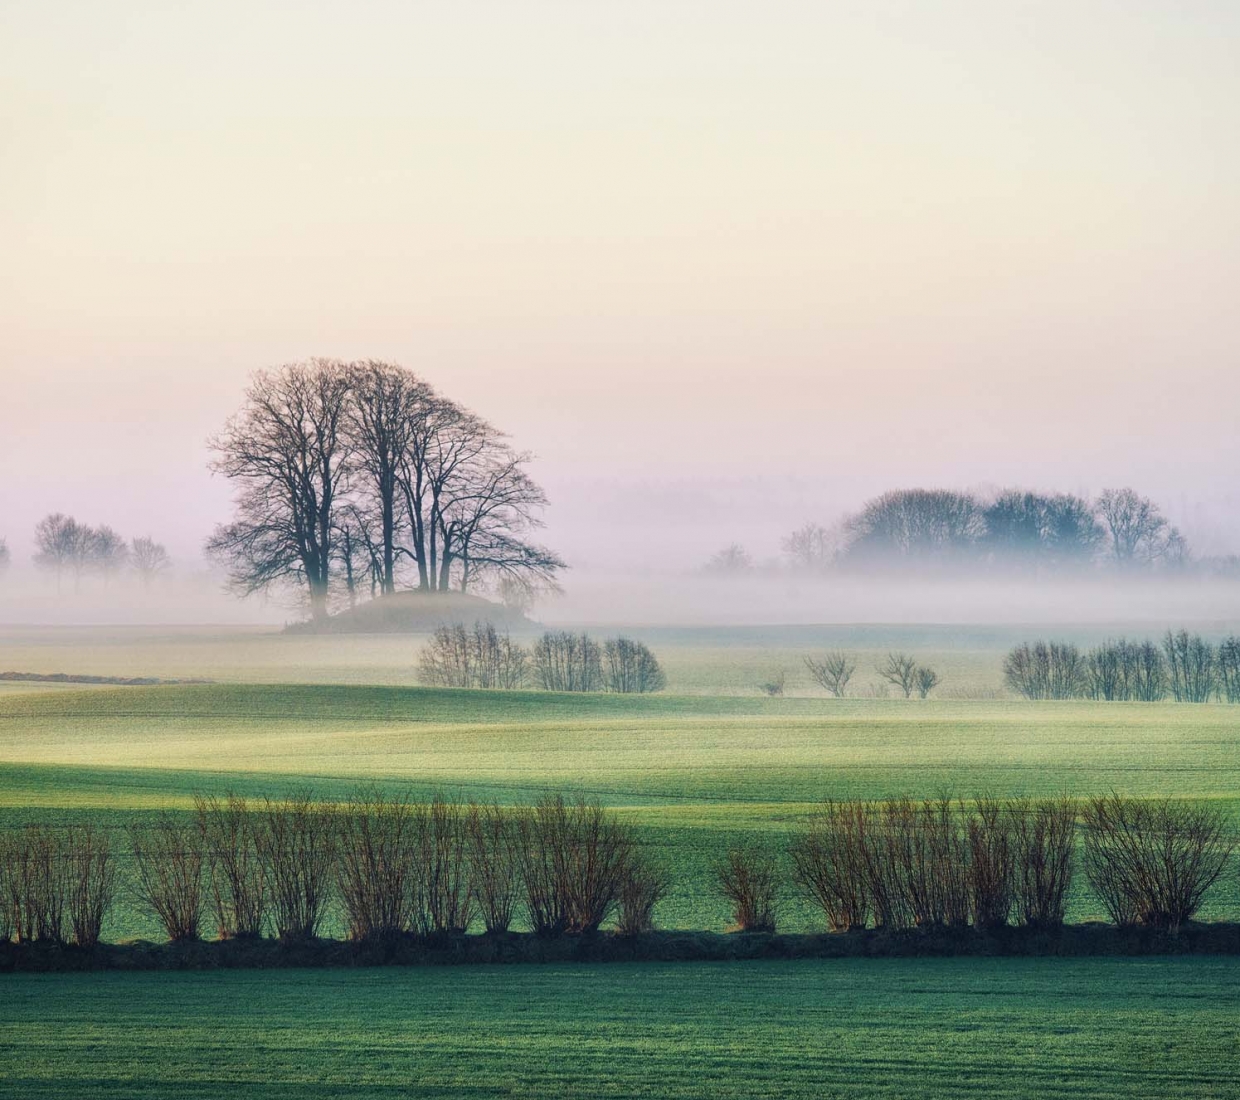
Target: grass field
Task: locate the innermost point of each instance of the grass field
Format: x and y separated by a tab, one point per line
693	769
1041	1028
693	772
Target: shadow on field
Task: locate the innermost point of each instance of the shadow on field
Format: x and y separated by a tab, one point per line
1075	941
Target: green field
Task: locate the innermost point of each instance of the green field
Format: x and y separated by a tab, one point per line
693	769
1123	1028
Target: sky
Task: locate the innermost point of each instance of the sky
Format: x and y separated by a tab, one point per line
724	267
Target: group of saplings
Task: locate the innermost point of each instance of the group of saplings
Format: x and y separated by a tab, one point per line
384	865
481	657
834	671
938	864
1185	667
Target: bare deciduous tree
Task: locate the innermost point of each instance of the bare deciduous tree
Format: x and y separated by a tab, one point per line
1152	862
1191	666
732	560
149	559
1045	842
829	864
630	667
926	525
1137	529
749	879
810	548
899	670
287	451
564	661
833	672
168	855
927	681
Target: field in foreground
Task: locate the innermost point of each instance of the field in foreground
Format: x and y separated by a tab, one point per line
857	1028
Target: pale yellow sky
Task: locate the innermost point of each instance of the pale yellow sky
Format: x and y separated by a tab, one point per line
700	247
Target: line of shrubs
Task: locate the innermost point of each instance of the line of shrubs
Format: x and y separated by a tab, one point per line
1185	667
482	657
392	867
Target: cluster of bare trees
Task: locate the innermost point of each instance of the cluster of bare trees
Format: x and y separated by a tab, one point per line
66	547
389	866
902	863
56	885
1185	667
834	671
386	866
360	476
920	528
482	657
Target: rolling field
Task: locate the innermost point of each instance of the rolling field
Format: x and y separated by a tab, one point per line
693	772
693	769
1004	1028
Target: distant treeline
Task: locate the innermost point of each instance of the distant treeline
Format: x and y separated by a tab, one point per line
390	867
66	547
1185	667
1016	530
482	657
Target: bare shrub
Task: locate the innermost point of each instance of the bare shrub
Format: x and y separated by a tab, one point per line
1229	669
1045	670
749	879
168	856
991	863
882	827
774	687
833	672
444	899
928	861
899	670
927	681
631	667
1153	862
480	657
1044	834
377	847
236	874
90	882
643	885
829	864
1190	667
492	838
573	860
564	661
35	885
296	842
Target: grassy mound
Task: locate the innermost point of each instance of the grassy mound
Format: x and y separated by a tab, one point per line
415	613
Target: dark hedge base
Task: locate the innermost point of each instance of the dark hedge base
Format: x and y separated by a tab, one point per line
515	947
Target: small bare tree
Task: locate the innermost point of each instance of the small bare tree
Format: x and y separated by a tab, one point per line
296	841
168	856
833	672
236	872
1153	862
1044	842
149	559
377	849
630	667
774	687
35	881
748	878
445	897
1191	667
899	670
643	885
492	838
927	681
991	863
90	881
829	864
564	661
